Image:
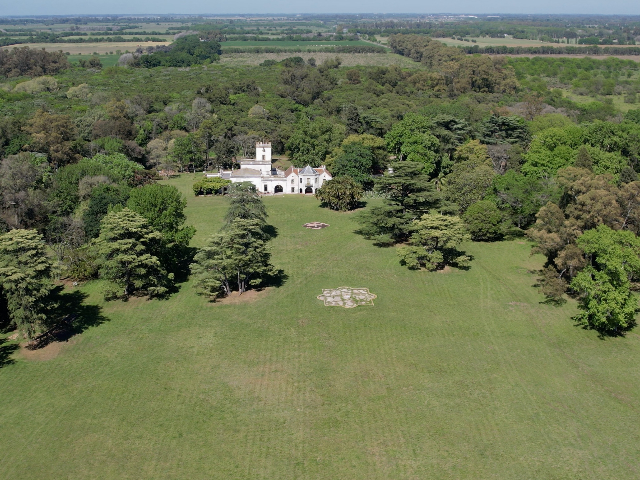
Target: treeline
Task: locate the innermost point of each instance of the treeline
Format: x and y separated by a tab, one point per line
451	71
184	52
577	29
328	49
31	62
548	50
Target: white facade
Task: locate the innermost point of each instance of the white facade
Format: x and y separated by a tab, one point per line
270	180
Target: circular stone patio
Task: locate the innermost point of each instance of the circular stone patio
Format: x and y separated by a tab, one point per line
315	225
347	297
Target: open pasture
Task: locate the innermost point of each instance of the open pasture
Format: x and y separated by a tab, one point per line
292	44
89	48
459	375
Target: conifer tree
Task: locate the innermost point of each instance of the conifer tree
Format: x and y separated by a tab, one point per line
128	249
25	279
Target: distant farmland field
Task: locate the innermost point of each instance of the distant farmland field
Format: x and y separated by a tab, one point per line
89	48
292	44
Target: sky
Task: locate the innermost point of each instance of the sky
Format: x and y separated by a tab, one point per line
84	7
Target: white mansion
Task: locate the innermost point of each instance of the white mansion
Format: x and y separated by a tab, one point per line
271	180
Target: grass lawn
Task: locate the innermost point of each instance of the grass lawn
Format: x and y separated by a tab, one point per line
456	375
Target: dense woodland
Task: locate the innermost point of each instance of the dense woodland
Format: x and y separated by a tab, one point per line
462	147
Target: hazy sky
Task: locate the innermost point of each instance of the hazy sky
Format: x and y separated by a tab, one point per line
68	7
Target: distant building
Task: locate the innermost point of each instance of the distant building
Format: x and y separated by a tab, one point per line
268	179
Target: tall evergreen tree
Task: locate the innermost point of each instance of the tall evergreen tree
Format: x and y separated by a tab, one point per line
25	279
409	195
245	203
128	246
234	259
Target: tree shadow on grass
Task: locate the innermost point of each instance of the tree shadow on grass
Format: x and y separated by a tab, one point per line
603	333
276	279
6	350
70	317
270	231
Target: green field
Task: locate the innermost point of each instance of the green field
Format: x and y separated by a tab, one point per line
107	60
450	375
293	44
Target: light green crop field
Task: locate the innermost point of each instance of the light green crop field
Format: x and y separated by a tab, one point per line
106	59
292	44
459	375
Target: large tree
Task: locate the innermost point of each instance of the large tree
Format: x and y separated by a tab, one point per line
53	134
355	162
234	259
434	241
604	285
25	278
408	195
127	246
163	207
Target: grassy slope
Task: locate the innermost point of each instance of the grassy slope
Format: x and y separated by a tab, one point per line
459	375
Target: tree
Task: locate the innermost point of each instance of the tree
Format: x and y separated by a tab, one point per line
65	193
303	84
412	129
187	150
119	166
236	258
485	221
163	207
313	140
604	285
23	179
498	129
340	194
102	198
355	162
53	134
377	146
245	203
409	194
127	247
25	278
521	197
467	184
433	243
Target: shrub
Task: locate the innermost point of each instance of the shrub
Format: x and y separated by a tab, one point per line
210	186
82	92
340	194
37	85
